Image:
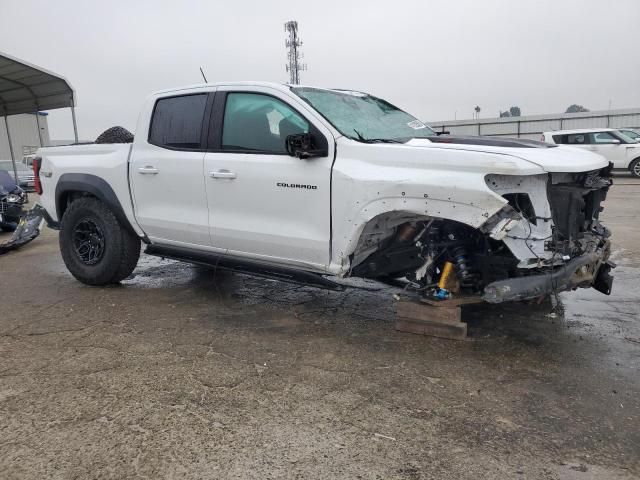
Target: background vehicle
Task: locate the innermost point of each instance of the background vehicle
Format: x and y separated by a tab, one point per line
616	147
28	160
12	198
25	174
301	183
629	132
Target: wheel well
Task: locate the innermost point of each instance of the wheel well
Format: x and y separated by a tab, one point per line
381	229
74	185
68	196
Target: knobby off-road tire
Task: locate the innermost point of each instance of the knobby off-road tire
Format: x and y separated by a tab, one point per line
115	135
95	247
634	168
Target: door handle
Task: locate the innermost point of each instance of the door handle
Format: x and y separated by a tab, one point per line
223	174
148	170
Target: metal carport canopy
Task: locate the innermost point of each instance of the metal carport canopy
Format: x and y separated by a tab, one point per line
26	88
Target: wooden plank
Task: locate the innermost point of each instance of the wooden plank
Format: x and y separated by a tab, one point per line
442	321
435	329
453	302
420	311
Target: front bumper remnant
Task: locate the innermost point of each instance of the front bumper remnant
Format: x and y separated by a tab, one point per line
585	271
28	228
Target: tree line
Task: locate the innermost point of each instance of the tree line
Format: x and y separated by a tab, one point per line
516	112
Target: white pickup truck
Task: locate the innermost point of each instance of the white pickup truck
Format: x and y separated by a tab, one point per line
307	183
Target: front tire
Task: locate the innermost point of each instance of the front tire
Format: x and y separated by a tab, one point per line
95	247
634	168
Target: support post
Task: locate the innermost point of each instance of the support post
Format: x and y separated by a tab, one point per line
13	157
38	127
75	125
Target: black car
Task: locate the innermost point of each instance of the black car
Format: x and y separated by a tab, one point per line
12	199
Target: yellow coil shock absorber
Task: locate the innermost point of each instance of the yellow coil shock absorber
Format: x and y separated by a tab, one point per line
446	276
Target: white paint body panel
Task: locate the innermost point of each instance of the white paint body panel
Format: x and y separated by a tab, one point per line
107	161
170	205
251	216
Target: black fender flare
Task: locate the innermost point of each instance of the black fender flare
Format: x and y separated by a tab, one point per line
93	185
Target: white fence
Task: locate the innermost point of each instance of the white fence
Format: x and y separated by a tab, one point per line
532	126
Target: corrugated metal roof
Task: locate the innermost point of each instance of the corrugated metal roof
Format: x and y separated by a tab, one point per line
26	88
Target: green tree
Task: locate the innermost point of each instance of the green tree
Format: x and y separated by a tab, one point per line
575	108
512	112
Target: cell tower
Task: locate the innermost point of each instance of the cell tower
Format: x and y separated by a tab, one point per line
294	55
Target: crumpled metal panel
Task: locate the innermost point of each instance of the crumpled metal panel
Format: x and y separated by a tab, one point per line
28	229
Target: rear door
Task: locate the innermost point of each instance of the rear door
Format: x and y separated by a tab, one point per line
263	203
166	171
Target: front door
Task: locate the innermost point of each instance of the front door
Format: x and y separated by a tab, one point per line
610	147
264	203
166	173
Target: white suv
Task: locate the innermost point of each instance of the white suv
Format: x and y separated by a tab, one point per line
615	146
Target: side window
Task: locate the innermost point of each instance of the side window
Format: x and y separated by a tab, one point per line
560	139
603	137
577	139
177	122
256	122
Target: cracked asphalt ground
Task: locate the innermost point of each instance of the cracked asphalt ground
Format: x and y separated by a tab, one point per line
180	373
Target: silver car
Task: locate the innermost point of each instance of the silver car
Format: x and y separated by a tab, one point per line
25	174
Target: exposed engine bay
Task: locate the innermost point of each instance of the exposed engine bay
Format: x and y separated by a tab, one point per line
547	238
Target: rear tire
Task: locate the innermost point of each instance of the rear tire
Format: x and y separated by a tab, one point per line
634	168
115	135
95	247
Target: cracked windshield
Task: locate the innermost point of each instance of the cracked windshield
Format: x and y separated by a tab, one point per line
364	117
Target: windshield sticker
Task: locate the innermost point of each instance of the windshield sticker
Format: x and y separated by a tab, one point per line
416	124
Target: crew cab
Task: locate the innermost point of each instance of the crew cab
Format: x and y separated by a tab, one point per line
306	183
620	149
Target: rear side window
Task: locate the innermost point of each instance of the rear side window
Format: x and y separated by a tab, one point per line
177	122
577	139
559	139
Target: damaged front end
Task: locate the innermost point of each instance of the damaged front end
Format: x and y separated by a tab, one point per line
546	239
568	246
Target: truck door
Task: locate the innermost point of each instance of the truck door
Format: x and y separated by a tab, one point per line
166	172
263	203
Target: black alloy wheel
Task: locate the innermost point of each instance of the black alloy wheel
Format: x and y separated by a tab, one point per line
88	241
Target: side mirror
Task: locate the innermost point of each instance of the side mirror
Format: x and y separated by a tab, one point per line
615	142
443	132
303	145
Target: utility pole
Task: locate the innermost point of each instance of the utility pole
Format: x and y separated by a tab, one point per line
294	55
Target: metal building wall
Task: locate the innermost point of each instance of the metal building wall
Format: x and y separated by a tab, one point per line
24	133
533	126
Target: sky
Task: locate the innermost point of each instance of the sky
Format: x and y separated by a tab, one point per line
435	59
